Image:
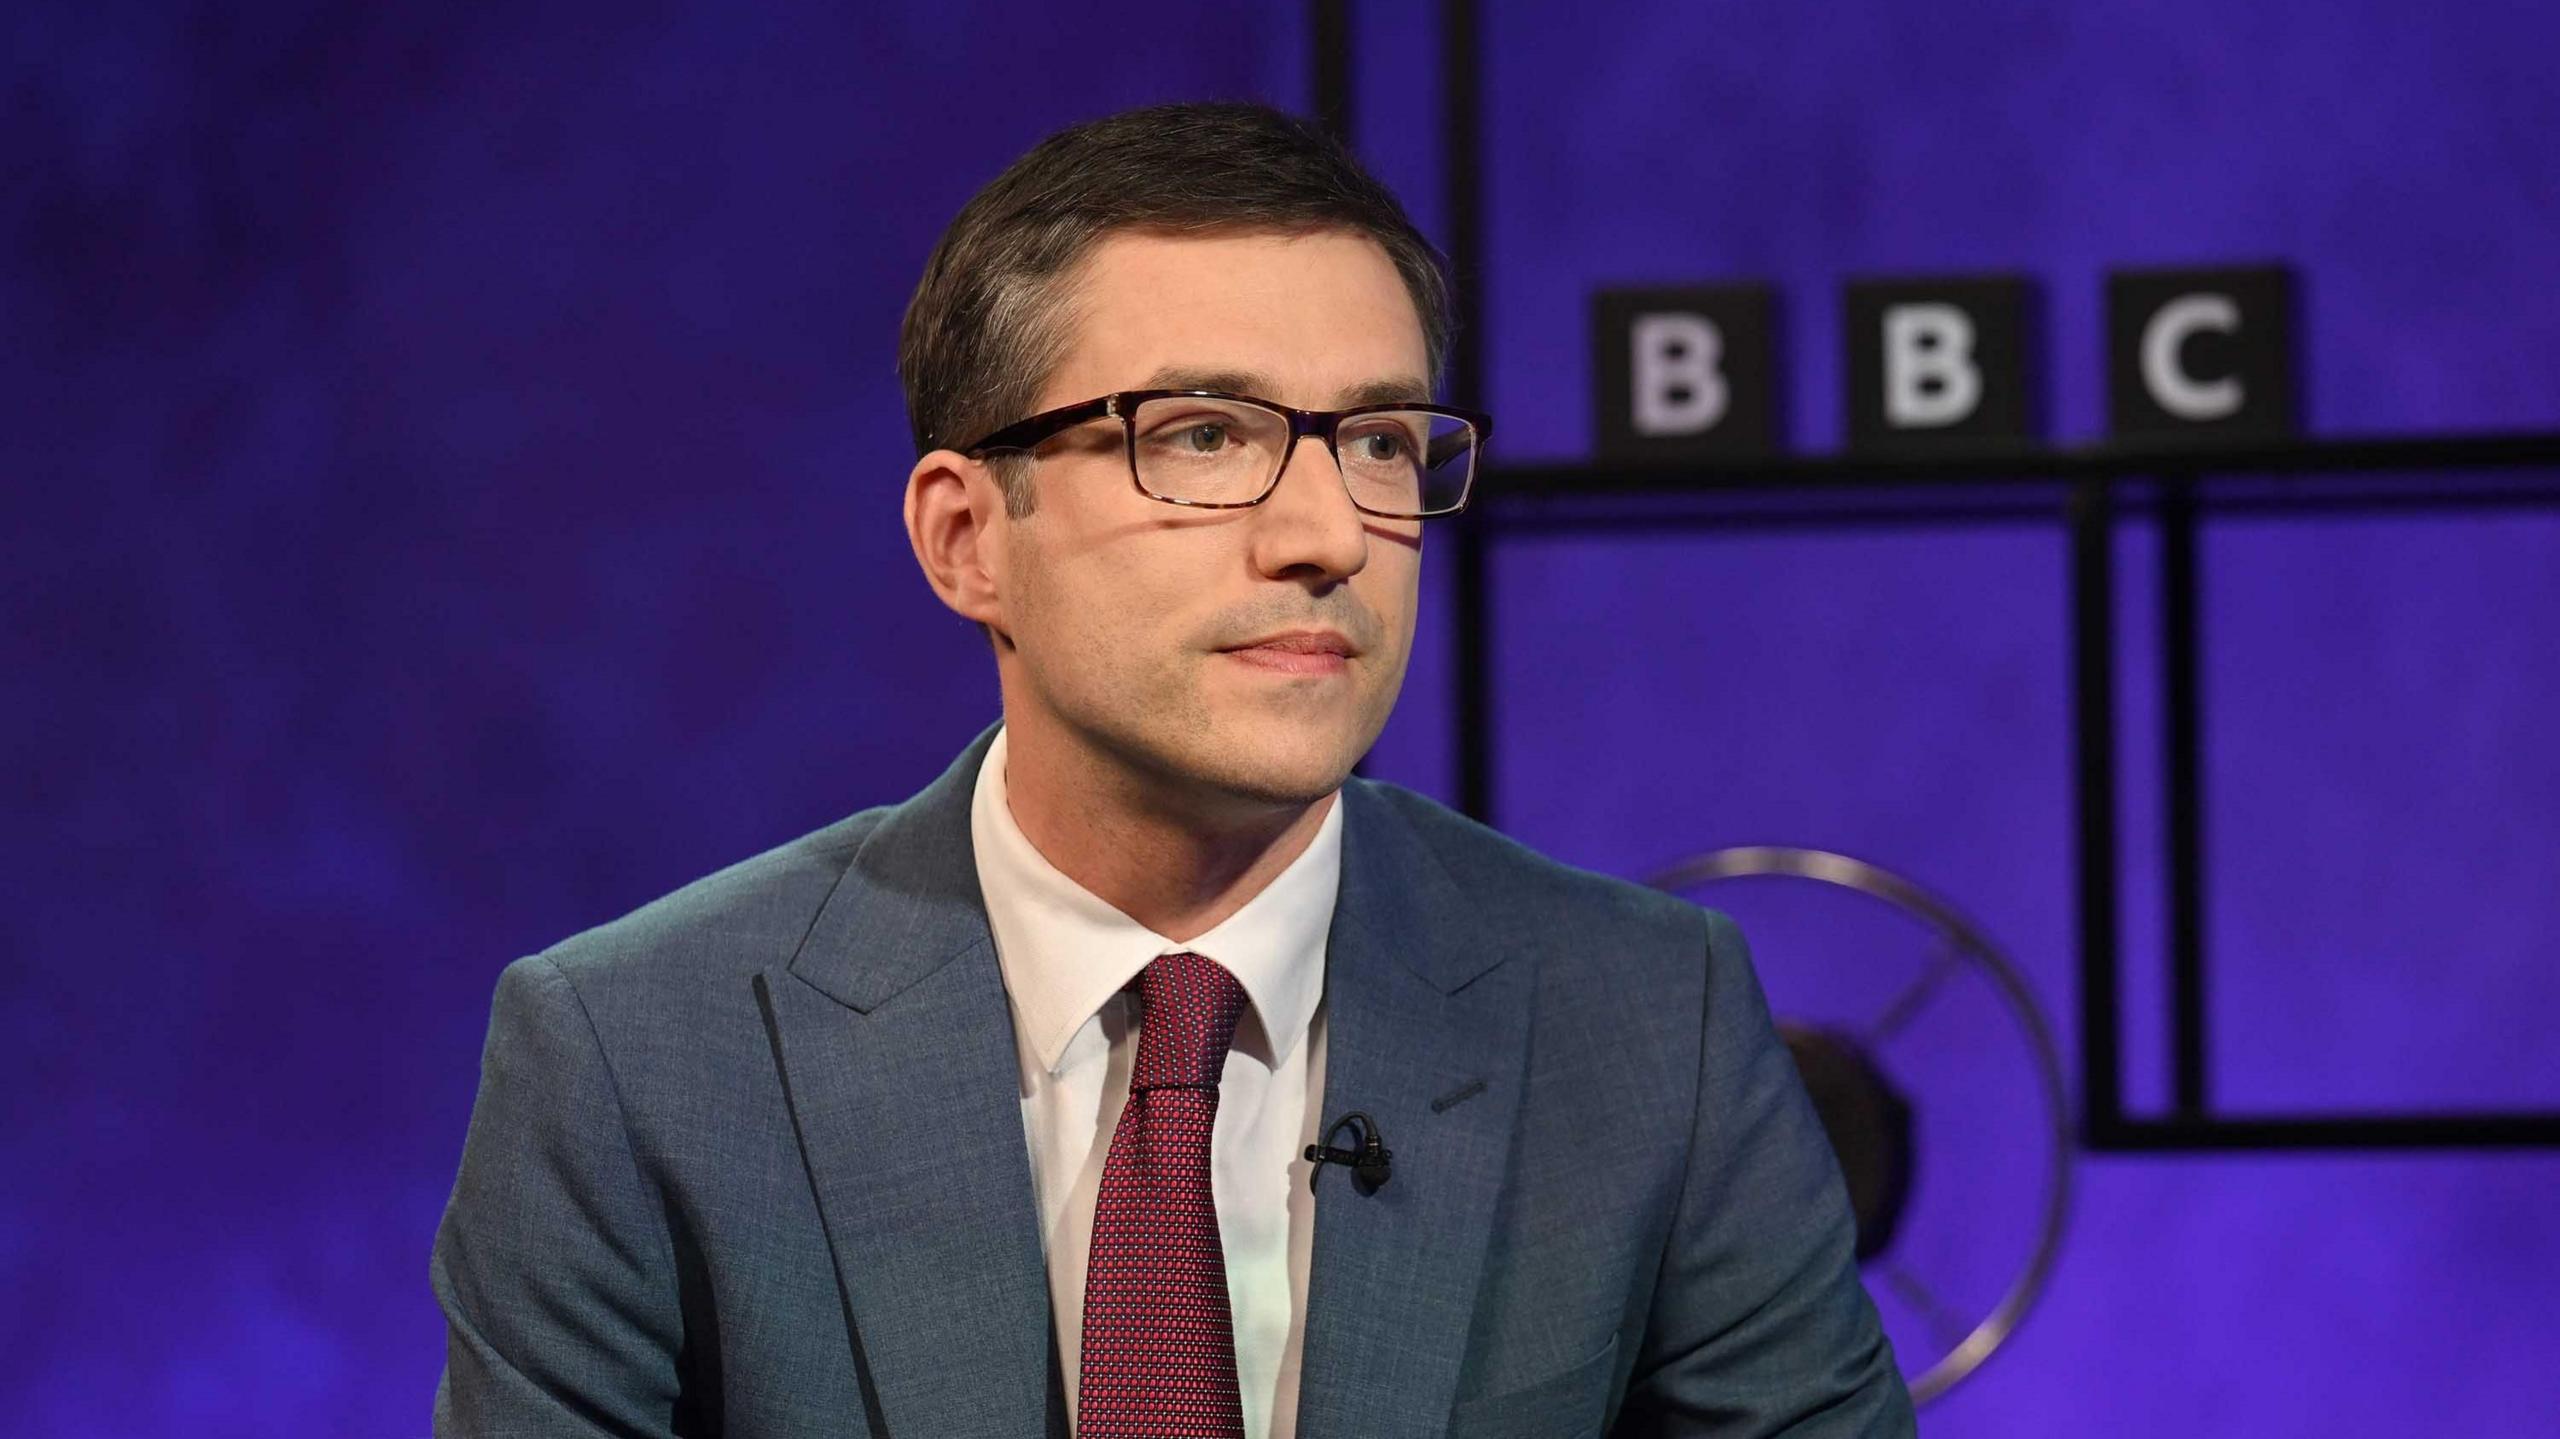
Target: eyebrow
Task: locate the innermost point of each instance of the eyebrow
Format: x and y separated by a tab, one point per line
1384	391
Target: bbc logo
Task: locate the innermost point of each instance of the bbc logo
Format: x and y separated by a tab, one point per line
1942	365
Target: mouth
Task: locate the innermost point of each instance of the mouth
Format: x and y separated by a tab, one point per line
1297	652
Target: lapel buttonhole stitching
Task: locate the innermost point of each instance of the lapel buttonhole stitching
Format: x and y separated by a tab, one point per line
1457	1096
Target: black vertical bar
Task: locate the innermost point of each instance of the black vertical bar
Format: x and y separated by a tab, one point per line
2093	692
1329	41
1462	145
1329	62
2182	819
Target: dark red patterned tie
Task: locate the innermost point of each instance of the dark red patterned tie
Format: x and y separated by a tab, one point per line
1159	1341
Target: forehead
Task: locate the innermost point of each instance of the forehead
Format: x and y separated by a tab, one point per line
1313	315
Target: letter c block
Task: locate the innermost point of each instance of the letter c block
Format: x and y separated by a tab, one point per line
2201	354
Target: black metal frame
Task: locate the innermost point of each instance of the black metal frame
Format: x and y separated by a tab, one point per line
1470	583
2180	499
2088	489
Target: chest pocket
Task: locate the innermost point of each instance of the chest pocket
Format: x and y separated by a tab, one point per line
1566	1405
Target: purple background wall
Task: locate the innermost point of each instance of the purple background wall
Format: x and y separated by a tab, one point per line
451	485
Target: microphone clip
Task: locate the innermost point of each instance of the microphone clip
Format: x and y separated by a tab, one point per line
1368	1158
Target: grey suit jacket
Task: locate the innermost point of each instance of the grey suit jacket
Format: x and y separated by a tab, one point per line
750	1161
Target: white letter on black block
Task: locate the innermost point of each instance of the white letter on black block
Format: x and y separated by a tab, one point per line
2201	354
1677	362
2171	387
1929	375
1939	365
1684	373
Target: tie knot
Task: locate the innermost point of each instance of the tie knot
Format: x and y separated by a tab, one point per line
1191	1005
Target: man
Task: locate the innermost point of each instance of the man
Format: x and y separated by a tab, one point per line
988	1113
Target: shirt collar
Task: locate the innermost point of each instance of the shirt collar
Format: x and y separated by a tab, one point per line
1065	952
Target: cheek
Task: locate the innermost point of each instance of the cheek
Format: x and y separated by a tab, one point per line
1093	619
1394	593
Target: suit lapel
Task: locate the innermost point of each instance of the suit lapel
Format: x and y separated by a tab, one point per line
1421	1007
897	1050
896	1045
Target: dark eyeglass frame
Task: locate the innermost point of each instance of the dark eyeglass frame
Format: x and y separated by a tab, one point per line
1122	405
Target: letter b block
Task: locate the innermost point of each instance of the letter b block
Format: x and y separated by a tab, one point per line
1938	365
1684	374
2201	353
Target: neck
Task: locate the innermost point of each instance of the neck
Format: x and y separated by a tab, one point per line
1172	863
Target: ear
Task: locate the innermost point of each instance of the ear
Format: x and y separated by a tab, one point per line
956	525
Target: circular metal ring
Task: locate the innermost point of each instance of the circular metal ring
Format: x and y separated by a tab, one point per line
1754	861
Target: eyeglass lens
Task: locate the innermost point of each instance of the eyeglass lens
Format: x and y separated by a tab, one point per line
1221	452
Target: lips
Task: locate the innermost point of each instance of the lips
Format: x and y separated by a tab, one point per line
1301	642
1304	654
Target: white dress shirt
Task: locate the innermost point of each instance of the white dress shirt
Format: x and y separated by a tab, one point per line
1065	955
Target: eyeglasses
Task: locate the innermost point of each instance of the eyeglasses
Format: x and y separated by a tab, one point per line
1216	451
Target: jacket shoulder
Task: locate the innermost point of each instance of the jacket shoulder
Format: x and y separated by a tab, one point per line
743	918
1522	891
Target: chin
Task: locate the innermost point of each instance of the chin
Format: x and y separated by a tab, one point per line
1297	771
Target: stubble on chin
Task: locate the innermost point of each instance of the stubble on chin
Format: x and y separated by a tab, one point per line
1194	753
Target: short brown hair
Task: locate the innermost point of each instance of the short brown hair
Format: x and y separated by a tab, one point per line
982	333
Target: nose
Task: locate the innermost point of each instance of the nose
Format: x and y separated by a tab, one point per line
1309	528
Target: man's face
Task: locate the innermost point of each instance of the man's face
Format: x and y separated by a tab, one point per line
1136	625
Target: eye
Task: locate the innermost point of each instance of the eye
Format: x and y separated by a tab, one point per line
1382	447
1204	438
